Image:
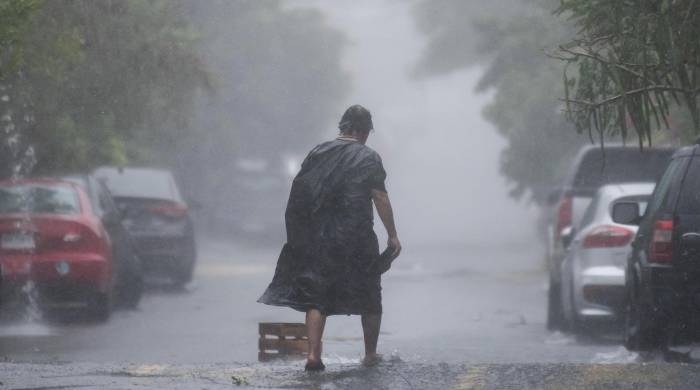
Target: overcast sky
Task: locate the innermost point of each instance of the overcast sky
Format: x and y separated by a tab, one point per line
440	154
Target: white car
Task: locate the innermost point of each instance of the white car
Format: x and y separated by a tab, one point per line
593	271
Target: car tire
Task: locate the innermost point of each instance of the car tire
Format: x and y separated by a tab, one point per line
184	269
132	285
183	273
572	322
100	307
641	333
555	315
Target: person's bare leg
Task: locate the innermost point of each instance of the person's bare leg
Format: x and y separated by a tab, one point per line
315	323
370	327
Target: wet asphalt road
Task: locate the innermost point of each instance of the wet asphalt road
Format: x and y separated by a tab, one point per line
461	316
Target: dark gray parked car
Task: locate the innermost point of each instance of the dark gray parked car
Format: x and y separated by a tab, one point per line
157	217
663	271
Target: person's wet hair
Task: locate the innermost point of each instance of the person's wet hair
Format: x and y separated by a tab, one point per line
356	119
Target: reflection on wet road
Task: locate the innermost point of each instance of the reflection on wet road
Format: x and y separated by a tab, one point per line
457	305
461	304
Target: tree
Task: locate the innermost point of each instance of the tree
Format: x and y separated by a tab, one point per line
508	38
96	73
14	21
277	84
630	63
15	17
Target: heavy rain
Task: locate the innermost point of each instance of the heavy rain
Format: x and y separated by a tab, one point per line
189	191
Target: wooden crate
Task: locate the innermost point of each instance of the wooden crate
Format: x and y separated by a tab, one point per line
282	340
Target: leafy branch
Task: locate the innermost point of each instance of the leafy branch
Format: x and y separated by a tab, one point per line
634	61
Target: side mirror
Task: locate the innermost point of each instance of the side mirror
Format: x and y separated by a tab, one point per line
567	235
626	213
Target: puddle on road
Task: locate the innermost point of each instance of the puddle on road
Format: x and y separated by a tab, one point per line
26	330
559	338
233	270
620	355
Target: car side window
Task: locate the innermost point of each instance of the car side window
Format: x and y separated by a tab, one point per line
106	201
689	197
662	189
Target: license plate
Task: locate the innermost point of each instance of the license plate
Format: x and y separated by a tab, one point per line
17	241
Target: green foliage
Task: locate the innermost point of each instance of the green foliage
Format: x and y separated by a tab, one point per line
14	20
508	38
194	86
95	73
278	83
166	82
631	64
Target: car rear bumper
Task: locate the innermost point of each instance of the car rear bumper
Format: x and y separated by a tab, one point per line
674	297
668	289
51	295
55	282
163	247
599	291
88	271
166	255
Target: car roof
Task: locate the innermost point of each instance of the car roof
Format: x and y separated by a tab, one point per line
580	168
627	189
36	180
151	183
128	170
685	151
618	146
77	178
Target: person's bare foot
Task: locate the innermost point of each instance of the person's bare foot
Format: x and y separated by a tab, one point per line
372	360
314	366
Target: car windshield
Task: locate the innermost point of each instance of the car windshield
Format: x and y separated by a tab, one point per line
39	199
620	166
145	183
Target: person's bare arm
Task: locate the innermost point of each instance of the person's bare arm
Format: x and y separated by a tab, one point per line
386	214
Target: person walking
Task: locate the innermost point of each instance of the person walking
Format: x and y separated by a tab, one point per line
331	264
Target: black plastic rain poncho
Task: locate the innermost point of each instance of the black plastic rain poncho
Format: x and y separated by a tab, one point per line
331	247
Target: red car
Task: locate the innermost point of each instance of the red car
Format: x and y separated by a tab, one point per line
50	236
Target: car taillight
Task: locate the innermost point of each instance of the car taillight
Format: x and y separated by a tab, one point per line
607	236
170	209
565	214
661	250
77	239
83	240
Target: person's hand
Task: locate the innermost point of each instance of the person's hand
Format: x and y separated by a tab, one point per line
395	244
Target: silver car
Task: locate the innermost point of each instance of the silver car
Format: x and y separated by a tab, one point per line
591	169
593	270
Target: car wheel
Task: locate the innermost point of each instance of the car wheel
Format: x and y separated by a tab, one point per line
183	271
100	307
555	315
572	322
641	334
